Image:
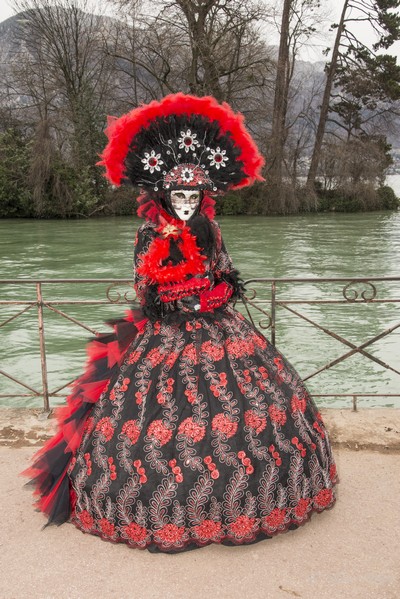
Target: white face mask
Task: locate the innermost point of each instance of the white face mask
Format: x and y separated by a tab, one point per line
185	202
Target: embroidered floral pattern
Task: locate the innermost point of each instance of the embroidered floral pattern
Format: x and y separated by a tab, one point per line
277	415
191	429
323	498
86	519
257	423
208	529
213	351
242	526
275	518
159	431
223	424
105	427
131	430
170	533
206	434
135	532
298	404
106	527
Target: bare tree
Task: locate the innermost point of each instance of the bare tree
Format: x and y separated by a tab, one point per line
203	47
62	72
350	56
297	25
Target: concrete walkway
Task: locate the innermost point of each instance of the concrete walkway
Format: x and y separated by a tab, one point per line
351	551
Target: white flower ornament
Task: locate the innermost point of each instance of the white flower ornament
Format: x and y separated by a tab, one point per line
187	141
152	161
217	157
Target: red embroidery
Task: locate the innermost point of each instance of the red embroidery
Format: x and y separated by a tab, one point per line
277	415
302	507
131	429
133	357
254	421
86	519
213	351
155	356
276	518
319	429
208	529
299	446
88	463
158	430
135	532
298	404
191	395
240	347
105	427
275	455
191	429
242	526
190	353
323	498
107	528
170	533
140	470
224	425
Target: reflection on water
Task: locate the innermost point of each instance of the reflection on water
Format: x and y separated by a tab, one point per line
317	245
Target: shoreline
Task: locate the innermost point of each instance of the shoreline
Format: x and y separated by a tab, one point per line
374	429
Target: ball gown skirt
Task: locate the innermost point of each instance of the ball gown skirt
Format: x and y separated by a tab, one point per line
181	434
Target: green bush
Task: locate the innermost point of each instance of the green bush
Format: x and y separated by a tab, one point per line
387	198
15	197
231	204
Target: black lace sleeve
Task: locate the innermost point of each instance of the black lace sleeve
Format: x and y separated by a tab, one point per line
224	270
146	293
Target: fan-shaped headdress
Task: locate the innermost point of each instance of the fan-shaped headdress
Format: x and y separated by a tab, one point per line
182	141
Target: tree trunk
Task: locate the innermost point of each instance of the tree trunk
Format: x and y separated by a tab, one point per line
319	137
279	110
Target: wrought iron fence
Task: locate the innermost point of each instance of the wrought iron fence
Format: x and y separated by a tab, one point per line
354	290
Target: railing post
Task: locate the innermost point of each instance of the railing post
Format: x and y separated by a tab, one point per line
273	311
46	406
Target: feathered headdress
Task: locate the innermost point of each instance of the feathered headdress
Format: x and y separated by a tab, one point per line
182	141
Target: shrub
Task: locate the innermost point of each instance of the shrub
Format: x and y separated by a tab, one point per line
387	198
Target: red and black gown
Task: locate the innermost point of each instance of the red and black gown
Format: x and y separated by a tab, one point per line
188	428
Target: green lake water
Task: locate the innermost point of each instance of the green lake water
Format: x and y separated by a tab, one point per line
316	245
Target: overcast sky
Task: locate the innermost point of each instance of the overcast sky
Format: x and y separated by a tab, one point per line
312	53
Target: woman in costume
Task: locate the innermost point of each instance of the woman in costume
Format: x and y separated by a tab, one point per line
188	427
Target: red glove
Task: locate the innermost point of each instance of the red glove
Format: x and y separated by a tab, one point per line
214	298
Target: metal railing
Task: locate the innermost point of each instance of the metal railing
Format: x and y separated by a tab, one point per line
253	300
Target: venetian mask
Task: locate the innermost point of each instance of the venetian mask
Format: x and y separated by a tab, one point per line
185	202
